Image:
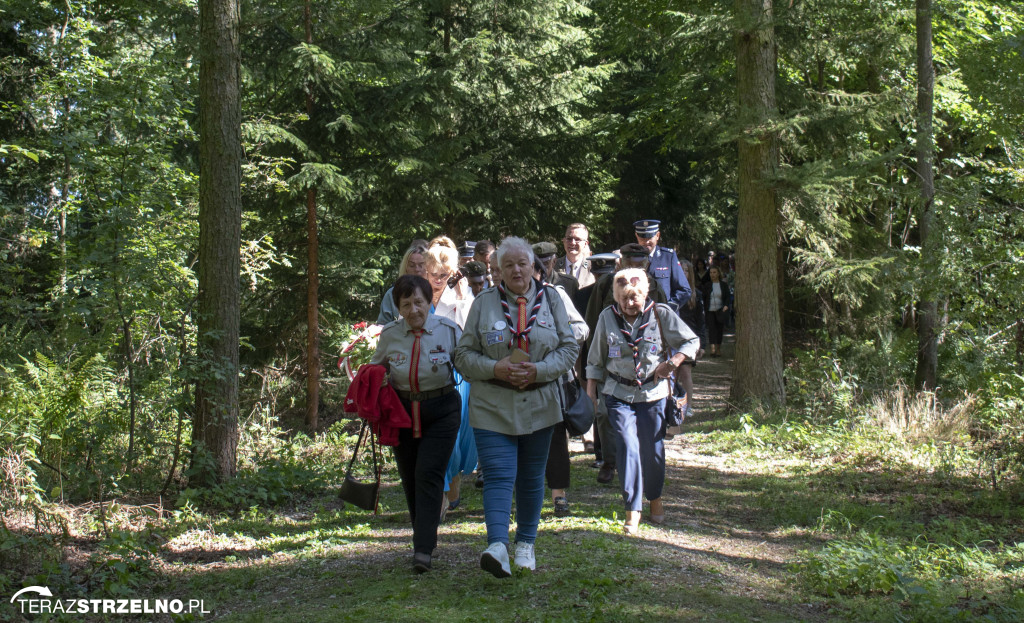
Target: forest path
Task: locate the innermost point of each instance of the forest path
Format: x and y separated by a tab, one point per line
718	557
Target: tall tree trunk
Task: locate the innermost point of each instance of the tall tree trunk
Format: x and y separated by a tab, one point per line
927	309
215	425
758	327
312	277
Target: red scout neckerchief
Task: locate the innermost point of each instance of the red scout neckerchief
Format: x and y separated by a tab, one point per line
521	335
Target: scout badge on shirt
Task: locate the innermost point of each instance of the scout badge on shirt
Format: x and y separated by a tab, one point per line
437	355
495	337
397	359
615	351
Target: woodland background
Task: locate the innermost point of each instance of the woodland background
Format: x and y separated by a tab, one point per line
401	120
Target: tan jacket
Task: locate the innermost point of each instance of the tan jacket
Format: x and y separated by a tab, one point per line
485	341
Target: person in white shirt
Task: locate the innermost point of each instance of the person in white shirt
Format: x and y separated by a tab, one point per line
577	249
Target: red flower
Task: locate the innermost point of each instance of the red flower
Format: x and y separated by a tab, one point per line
359	326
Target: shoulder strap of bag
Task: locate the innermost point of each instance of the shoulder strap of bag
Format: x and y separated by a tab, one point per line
366	428
661	331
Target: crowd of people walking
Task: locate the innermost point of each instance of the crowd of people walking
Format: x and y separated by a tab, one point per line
480	343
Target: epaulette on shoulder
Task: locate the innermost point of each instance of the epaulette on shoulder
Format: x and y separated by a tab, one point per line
449	322
394	323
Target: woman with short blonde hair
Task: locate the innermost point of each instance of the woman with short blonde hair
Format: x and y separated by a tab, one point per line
637	345
413	263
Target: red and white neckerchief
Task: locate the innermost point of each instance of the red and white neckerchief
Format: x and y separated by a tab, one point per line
645	319
521	332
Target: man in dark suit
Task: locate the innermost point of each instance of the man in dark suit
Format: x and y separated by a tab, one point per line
577	249
664	265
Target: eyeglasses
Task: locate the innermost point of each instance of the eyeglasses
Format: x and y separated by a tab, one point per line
439	276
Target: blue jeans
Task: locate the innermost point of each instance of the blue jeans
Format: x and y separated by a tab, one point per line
640	448
512	461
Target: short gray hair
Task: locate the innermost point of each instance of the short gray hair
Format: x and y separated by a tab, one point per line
514	244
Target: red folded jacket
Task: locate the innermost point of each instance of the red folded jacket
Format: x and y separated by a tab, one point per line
372	398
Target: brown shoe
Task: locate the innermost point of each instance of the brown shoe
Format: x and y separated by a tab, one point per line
606	473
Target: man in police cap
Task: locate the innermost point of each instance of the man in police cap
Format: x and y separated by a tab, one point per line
466	252
664	265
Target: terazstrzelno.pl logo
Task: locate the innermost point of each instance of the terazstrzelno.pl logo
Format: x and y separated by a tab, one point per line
40	600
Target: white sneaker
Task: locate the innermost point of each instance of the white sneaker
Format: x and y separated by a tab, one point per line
524	556
494	560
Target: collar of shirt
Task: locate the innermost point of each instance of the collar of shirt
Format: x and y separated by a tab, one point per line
530	293
429	325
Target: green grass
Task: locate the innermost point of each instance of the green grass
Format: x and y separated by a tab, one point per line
771	518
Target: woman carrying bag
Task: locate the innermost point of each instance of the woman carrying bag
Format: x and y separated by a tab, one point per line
417	349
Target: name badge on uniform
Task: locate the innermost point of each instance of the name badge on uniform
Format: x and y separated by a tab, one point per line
615	351
494	337
661	268
436	358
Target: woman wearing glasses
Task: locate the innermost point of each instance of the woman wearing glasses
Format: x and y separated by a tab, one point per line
452	303
414	262
635	348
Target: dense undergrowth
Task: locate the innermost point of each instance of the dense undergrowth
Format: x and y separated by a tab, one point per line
906	506
917	497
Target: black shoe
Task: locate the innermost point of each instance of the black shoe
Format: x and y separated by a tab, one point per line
562	507
420	562
606	474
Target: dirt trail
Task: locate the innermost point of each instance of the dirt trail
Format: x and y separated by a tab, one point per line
717	534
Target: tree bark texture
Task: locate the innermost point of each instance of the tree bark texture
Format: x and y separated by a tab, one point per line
312	277
312	316
927	309
215	423
758	367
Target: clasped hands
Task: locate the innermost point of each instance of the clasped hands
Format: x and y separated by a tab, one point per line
518	374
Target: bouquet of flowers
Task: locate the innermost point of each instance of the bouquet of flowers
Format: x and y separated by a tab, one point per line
358	347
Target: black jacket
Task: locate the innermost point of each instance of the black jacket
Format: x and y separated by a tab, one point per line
726	295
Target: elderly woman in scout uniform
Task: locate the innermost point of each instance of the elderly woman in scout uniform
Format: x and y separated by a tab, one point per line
417	350
631	358
516	345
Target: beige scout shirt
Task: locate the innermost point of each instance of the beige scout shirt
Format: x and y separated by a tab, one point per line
609	352
434	366
553	349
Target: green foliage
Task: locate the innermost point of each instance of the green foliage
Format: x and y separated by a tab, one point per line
999	427
932	582
123	565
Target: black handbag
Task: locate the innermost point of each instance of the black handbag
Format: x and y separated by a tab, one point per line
578	414
364	495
